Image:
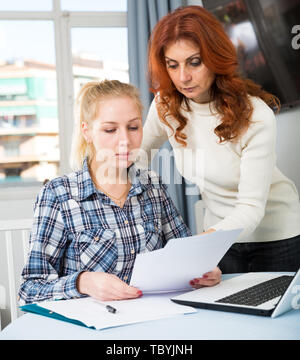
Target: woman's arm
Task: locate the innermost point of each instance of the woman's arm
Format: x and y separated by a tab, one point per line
173	225
41	274
256	169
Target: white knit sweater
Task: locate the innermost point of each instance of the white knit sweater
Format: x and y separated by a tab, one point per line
239	181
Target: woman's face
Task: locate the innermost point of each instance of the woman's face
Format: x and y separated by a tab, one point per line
187	71
116	133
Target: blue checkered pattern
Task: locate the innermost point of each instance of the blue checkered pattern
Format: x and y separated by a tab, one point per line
78	228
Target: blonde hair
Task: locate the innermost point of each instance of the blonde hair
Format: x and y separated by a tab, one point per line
87	105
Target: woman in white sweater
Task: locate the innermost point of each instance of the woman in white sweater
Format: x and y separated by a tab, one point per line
222	130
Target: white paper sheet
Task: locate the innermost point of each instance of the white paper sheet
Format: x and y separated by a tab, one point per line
92	313
172	267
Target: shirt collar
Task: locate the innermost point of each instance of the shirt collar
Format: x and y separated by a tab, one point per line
85	184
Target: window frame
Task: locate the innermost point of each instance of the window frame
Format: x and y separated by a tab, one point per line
63	22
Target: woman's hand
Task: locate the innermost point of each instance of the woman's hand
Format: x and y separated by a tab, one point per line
209	279
207	231
103	286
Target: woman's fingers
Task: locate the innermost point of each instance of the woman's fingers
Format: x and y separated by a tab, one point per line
210	278
103	286
119	290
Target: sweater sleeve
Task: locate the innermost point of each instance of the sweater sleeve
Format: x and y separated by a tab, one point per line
154	137
256	168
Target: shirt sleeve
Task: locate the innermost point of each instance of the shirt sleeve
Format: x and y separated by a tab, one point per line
256	169
173	225
154	137
41	280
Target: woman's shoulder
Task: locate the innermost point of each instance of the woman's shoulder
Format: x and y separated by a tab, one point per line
62	187
260	107
262	115
262	122
64	180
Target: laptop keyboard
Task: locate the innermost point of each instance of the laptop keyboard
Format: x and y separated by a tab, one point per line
258	294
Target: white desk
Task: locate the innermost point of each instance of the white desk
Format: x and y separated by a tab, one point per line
203	325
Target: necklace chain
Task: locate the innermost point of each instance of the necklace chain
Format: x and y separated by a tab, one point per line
111	196
118	200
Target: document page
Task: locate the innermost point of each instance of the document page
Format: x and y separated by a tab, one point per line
93	313
172	267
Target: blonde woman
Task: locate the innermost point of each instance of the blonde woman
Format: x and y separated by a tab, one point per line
89	225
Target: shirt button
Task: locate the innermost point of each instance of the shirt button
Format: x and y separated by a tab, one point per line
96	238
126	222
132	251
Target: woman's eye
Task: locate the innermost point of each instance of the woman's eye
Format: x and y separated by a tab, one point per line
109	131
196	62
133	128
171	66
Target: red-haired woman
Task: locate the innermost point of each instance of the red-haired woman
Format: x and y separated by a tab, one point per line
222	131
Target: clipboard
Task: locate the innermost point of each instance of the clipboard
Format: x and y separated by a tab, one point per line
36	309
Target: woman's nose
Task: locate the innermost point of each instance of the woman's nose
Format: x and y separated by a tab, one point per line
184	75
124	139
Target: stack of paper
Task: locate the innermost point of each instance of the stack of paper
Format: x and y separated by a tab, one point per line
92	313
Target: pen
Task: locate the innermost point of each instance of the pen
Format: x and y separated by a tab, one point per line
109	308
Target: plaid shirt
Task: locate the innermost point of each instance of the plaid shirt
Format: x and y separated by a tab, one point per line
78	228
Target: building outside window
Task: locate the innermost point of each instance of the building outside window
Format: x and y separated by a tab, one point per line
48	50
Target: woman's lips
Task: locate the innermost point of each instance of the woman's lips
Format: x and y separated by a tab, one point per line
189	89
123	156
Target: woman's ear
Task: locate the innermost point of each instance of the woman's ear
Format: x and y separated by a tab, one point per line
85	131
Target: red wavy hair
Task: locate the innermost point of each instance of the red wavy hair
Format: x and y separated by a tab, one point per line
229	91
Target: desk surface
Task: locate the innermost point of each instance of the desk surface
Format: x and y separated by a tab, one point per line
203	325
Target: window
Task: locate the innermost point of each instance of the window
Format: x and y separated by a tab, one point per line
28	5
41	73
98	60
94	5
28	106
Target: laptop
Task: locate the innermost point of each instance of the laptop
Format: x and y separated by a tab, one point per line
265	294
